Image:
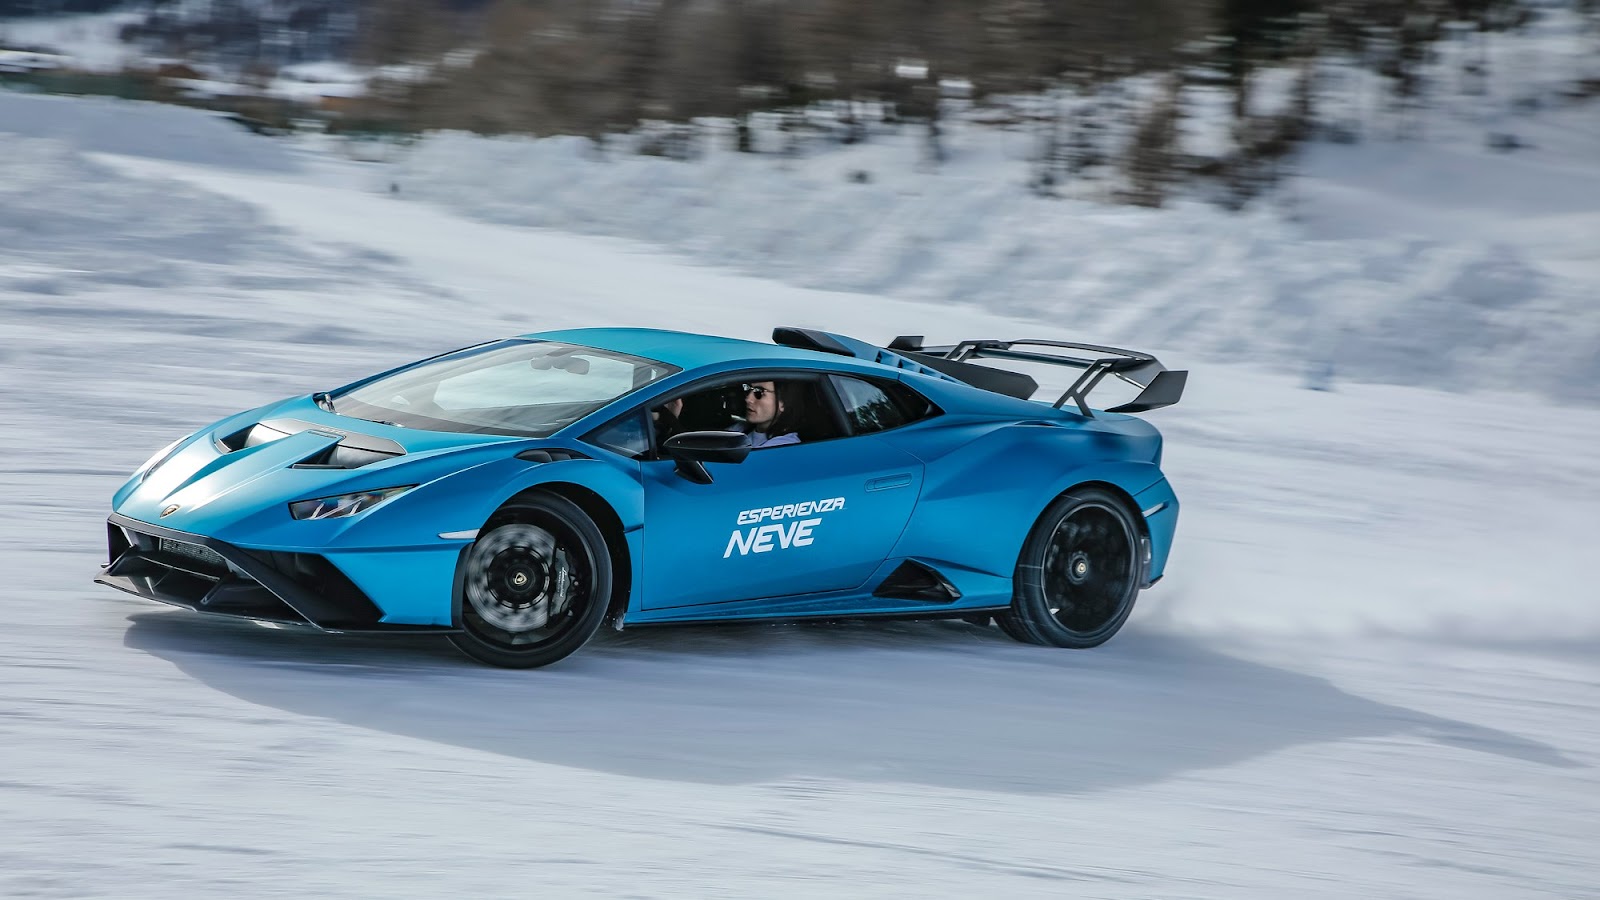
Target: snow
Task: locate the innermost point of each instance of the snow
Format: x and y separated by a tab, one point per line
138	128
93	42
308	82
324	72
28	61
1371	670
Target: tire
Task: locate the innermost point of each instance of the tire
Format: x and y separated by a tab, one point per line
1012	630
534	585
1079	572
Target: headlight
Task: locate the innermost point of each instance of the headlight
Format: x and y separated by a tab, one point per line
343	505
151	464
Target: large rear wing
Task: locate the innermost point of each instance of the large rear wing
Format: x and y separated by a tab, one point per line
1159	386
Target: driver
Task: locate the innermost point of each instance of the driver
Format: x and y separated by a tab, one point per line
765	410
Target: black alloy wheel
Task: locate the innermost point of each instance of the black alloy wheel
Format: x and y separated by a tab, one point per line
534	586
1079	572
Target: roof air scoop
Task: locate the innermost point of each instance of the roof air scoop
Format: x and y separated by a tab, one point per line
827	342
806	339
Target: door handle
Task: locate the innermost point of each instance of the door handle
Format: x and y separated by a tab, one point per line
889	482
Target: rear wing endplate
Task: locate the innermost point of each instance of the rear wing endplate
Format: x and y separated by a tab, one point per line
1159	386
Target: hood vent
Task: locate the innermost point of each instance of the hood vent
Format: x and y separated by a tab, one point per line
352	452
253	436
345	455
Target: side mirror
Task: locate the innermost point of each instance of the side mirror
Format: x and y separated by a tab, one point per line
693	449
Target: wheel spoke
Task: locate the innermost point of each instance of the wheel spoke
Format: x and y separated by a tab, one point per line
1087	571
523	586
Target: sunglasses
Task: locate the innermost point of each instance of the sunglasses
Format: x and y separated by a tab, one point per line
757	392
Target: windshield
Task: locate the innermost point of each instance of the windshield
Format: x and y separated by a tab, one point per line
517	387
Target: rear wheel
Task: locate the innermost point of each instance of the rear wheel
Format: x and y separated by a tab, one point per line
534	586
1079	573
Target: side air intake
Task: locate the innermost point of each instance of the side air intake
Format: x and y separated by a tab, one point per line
912	580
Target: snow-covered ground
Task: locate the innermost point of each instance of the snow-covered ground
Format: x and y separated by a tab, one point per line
1371	671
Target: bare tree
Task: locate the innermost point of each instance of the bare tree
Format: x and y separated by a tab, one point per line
1149	162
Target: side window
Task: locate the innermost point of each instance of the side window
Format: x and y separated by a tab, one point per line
626	436
786	409
868	407
709	409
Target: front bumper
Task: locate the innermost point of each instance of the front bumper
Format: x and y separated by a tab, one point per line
212	576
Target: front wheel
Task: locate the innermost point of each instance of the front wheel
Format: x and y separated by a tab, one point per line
1078	574
534	586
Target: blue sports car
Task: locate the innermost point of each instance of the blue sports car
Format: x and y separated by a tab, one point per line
518	494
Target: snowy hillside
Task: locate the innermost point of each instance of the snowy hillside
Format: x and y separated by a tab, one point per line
91	41
1420	255
1371	670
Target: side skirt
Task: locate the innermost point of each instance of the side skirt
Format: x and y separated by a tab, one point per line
754	619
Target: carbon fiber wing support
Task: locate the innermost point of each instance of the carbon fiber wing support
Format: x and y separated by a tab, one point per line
1158	385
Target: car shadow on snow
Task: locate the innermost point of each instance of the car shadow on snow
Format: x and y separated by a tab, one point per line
937	703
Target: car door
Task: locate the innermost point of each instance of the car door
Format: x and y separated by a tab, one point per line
796	519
